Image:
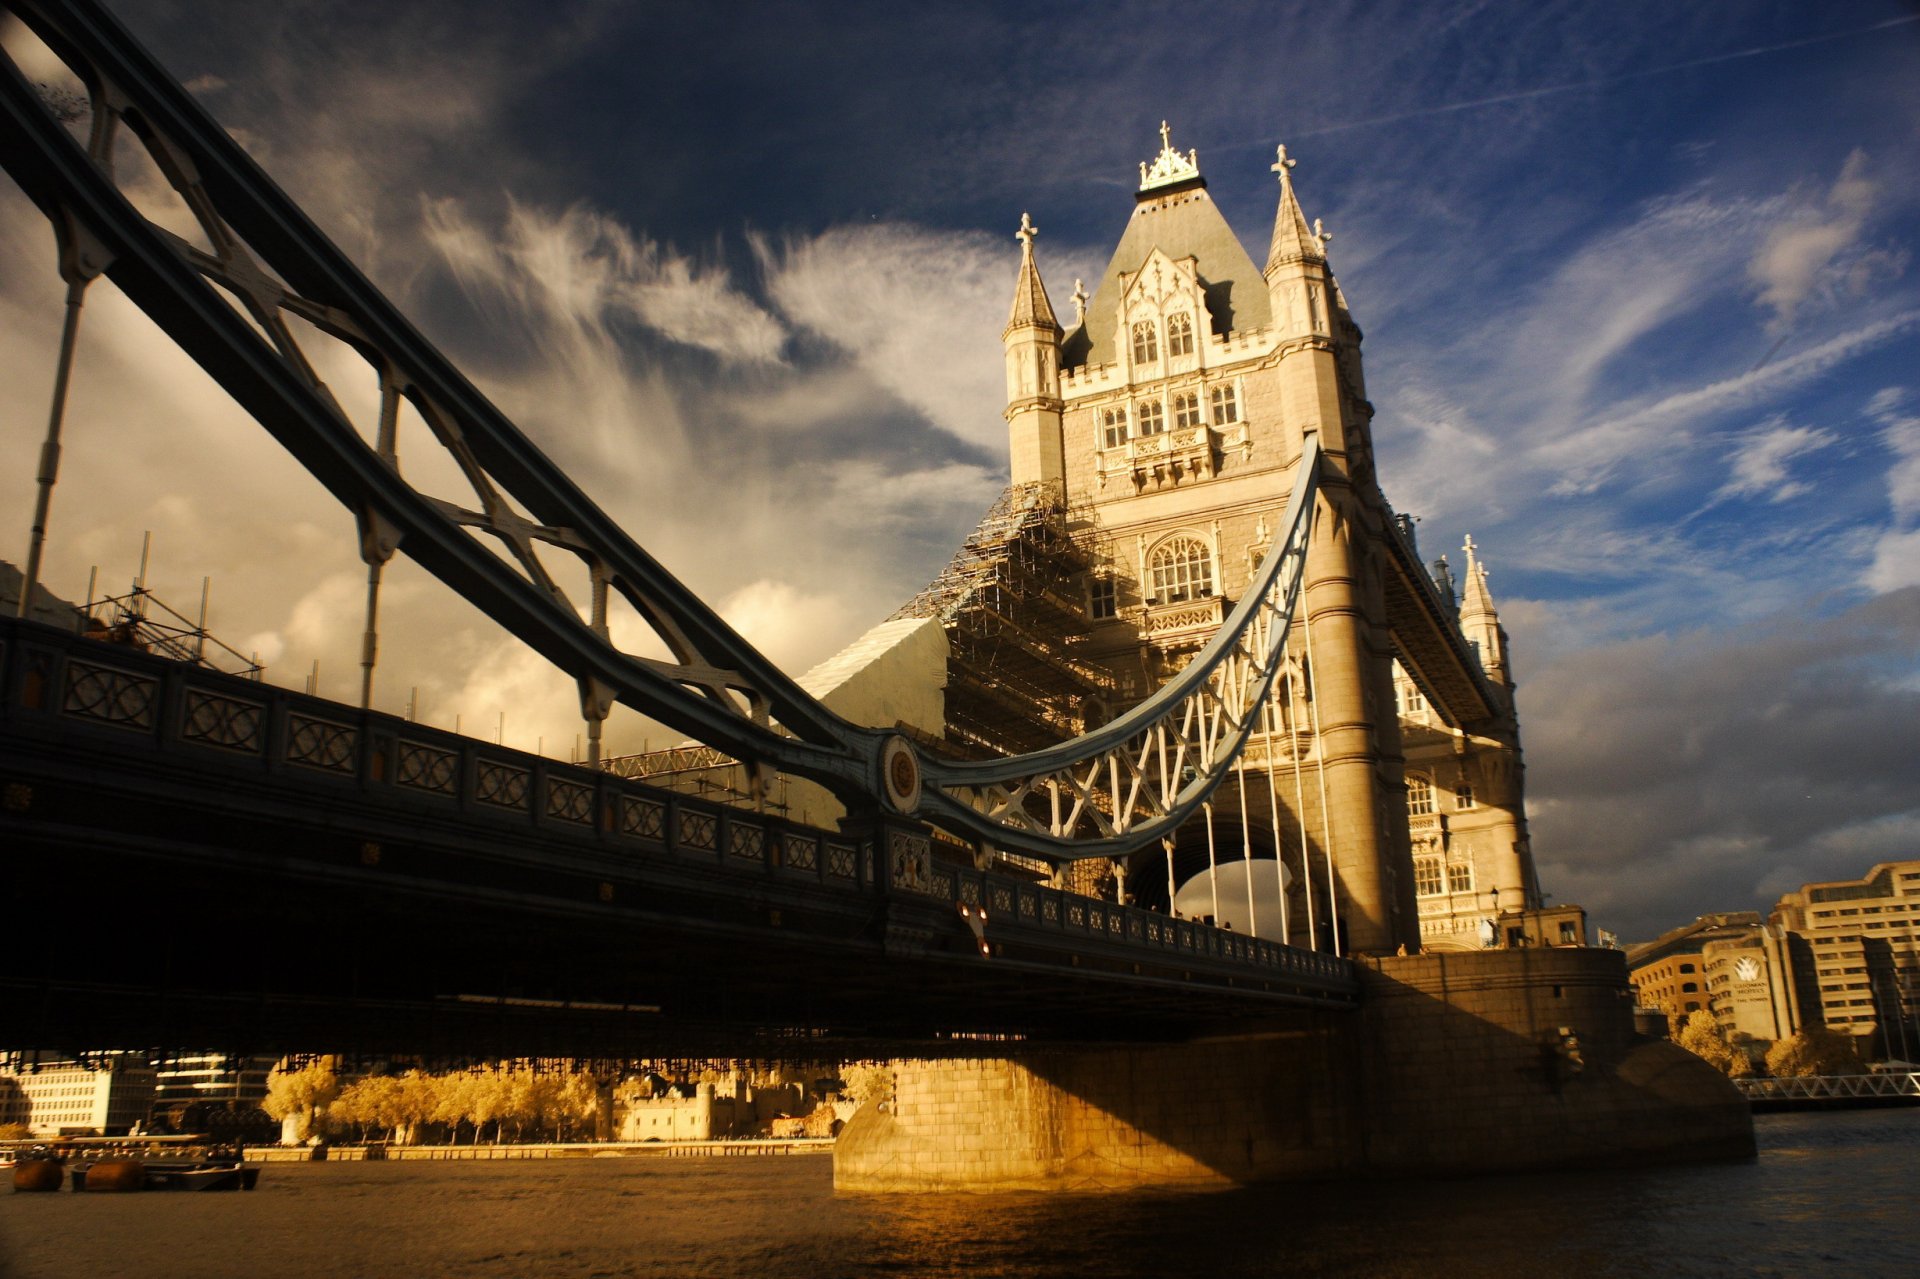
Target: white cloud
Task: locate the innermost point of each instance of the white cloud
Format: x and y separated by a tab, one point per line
1586	458
1791	261
583	271
1760	458
918	311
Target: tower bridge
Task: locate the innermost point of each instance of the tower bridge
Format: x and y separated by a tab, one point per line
1233	758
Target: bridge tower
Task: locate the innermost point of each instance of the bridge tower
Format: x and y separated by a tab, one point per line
1186	389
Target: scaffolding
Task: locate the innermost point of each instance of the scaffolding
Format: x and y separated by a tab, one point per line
1015	682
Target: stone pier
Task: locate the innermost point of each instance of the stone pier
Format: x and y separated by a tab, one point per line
1466	1062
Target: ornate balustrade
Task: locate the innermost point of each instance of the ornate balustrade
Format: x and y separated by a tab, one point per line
122	711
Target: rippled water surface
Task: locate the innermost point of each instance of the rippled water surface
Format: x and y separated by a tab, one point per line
1831	1194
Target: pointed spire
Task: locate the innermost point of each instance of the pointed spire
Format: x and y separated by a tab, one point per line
1475	600
1030	306
1293	239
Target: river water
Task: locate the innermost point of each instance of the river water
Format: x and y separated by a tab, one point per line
1831	1194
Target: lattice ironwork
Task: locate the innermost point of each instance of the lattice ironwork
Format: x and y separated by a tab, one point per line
569	801
109	695
232	723
428	768
1109	791
502	785
321	743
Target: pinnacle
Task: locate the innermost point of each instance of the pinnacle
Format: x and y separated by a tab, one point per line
1293	239
1031	309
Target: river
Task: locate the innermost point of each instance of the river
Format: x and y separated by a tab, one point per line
1830	1194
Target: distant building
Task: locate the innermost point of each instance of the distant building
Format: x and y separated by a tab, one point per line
1859	954
102	1097
1669	972
213	1077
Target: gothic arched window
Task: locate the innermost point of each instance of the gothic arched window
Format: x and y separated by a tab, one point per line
1226	406
1186	407
1146	344
1419	795
1152	416
1181	568
1113	426
1180	335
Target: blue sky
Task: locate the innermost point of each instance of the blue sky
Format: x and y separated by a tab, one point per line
1637	281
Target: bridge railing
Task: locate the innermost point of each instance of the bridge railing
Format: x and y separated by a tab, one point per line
1831	1087
105	707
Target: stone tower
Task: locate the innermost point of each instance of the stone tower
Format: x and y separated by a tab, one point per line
1175	412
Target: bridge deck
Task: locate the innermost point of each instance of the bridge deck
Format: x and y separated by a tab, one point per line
206	857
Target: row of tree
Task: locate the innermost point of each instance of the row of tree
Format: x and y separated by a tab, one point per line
504	1102
509	1101
1812	1051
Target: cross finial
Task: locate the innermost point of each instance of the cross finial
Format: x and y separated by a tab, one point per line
1469	546
1166	137
1026	232
1321	234
1281	161
1079	302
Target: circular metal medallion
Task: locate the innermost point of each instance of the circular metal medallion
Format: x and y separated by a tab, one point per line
900	772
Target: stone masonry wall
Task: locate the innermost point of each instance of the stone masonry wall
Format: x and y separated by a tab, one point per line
1455	1063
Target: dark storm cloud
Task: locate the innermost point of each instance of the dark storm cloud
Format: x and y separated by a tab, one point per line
1714	769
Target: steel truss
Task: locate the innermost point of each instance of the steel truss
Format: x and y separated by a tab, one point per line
1107	793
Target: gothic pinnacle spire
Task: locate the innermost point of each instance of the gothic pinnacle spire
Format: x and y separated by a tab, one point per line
1293	239
1030	305
1475	599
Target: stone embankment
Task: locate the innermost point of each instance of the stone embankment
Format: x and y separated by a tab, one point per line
543	1150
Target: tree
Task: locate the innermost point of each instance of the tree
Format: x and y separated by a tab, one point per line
1813	1051
1700	1035
867	1083
301	1093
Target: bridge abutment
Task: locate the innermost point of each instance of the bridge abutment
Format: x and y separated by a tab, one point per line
1471	1062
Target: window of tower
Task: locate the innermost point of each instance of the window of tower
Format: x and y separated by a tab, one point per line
1463	795
1103	598
1151	415
1181	569
1419	795
1146	344
1179	335
1113	426
1226	406
1186	408
1459	877
1412	700
1426	877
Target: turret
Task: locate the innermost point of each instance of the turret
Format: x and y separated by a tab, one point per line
1299	286
1031	339
1480	623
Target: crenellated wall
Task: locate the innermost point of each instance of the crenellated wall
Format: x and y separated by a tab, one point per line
1481	1062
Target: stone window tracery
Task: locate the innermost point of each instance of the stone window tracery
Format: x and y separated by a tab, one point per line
1419	795
1179	335
1186	409
1426	877
1151	415
1181	568
1113	426
1146	343
1226	406
1459	876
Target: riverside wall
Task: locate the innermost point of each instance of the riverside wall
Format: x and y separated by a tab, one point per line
1457	1062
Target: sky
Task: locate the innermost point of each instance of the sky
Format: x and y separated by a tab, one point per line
1637	281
